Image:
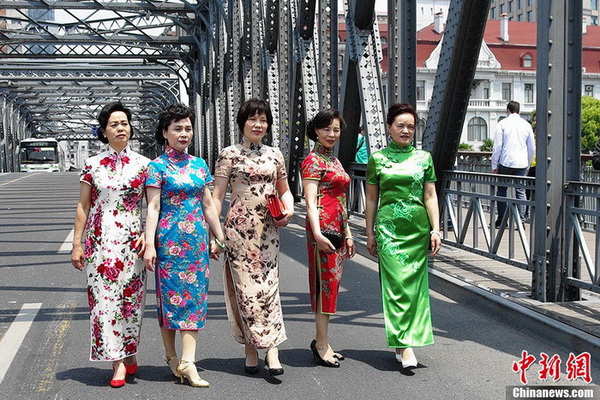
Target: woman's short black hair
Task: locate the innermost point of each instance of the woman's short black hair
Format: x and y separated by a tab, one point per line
252	107
323	119
401	108
175	112
104	116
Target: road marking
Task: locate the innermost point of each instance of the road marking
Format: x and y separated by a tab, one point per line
18	179
67	244
10	343
52	347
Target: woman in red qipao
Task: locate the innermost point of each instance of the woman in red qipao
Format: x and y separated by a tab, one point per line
325	184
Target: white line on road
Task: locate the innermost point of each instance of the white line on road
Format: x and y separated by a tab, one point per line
67	244
18	179
10	343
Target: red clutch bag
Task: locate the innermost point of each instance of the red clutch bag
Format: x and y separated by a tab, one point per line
275	206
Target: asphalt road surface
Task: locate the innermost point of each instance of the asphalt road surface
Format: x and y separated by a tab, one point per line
45	350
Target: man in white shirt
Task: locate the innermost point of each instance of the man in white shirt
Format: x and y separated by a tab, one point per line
514	149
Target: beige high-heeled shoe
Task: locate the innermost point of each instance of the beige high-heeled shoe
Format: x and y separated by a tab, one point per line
186	369
173	363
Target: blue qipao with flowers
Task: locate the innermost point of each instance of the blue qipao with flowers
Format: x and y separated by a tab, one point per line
181	239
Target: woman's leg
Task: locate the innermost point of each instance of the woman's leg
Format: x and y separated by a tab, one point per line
119	370
321	336
186	367
251	355
168	337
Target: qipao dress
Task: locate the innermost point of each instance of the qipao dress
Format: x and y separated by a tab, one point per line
402	232
252	243
115	276
325	270
181	240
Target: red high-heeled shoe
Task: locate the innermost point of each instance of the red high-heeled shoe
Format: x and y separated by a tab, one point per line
131	369
117	383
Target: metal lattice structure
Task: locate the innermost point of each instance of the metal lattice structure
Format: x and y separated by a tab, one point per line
60	61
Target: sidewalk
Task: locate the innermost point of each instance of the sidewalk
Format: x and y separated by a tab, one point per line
502	290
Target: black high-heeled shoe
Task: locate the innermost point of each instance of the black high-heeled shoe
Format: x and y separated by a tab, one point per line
317	357
251	369
272	371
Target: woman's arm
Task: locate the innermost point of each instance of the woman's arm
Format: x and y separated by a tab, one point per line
220	189
81	216
283	189
153	199
372	202
311	189
431	205
209	208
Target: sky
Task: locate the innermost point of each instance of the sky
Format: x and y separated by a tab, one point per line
380	5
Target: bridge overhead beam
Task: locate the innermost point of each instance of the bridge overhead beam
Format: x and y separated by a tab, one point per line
456	69
402	52
362	92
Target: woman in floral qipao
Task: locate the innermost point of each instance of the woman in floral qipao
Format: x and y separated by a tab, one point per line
180	206
325	185
109	210
253	170
402	221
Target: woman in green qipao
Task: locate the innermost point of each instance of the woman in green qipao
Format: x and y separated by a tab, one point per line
400	180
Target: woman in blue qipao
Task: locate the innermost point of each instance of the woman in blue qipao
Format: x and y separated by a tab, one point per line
180	206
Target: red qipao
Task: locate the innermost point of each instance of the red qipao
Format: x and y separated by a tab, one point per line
325	270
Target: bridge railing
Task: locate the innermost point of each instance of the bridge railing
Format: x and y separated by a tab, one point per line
469	209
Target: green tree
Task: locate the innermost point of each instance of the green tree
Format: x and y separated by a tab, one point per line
590	122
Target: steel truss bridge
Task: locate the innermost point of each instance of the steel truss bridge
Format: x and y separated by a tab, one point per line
61	61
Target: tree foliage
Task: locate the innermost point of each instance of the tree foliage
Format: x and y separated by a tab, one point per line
590	122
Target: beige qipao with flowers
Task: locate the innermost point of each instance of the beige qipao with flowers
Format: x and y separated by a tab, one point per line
252	243
115	276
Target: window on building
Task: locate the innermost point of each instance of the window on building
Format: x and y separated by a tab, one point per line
526	60
486	90
594	5
528	3
594	20
493	13
420	90
588	90
520	6
510	7
501	9
476	130
506	91
529	16
529	93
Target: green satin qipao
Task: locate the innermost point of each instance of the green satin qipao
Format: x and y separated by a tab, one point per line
402	232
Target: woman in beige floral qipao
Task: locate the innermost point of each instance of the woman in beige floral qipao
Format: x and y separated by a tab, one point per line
254	171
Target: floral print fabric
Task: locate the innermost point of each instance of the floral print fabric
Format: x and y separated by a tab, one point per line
252	244
325	270
402	233
181	239
115	276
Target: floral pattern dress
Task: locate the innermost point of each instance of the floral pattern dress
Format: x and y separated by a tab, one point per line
252	244
325	270
115	276
181	240
402	233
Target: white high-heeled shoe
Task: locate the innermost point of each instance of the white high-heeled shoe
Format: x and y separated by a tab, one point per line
410	361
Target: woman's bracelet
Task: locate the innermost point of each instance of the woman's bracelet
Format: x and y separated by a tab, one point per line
218	242
436	233
349	238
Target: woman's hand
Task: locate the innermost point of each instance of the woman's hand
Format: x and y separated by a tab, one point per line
287	215
150	258
436	242
350	247
77	257
372	245
324	245
140	245
214	250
